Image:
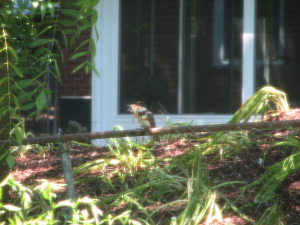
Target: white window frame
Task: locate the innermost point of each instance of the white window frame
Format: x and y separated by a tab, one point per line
105	90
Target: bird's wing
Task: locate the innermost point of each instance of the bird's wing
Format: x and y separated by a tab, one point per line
151	119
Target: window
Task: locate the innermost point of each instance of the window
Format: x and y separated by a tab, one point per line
278	47
169	59
269	41
149	54
228	27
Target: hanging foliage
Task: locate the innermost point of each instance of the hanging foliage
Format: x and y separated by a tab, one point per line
30	52
29	47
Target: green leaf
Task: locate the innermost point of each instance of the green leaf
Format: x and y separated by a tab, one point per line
40	103
13	112
43	60
26	3
68	22
69	31
83	43
39	42
71	12
46	106
52	54
4	79
46	195
72	40
40	51
15	100
16	69
18	134
93	48
64	35
14	53
20	4
31	114
94	17
78	67
3	155
32	31
84	21
82	28
4	92
97	34
22	84
43	9
34	57
3	111
28	106
10	161
61	52
77	55
56	77
44	30
33	7
51	8
57	69
48	93
94	3
87	69
94	69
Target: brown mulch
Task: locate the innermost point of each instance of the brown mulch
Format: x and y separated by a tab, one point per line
243	166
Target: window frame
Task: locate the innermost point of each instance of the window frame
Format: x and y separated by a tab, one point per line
105	90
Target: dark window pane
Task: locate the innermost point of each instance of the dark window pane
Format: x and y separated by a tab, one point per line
149	54
278	47
211	57
213	53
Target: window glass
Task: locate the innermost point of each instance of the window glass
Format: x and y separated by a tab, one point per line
278	47
149	54
213	54
204	37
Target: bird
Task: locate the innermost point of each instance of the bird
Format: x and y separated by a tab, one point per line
144	117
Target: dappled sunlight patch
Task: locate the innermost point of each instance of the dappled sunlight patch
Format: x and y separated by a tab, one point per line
173	148
294	187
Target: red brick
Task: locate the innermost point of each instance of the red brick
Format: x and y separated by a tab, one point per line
86	87
82	81
68	81
66	93
81	93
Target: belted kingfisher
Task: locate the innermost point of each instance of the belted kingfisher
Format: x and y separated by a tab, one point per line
144	117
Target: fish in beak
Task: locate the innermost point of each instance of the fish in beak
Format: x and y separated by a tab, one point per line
134	109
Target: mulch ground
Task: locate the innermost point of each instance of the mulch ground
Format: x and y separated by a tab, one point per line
243	166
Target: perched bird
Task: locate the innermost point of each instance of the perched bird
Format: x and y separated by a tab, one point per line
144	117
